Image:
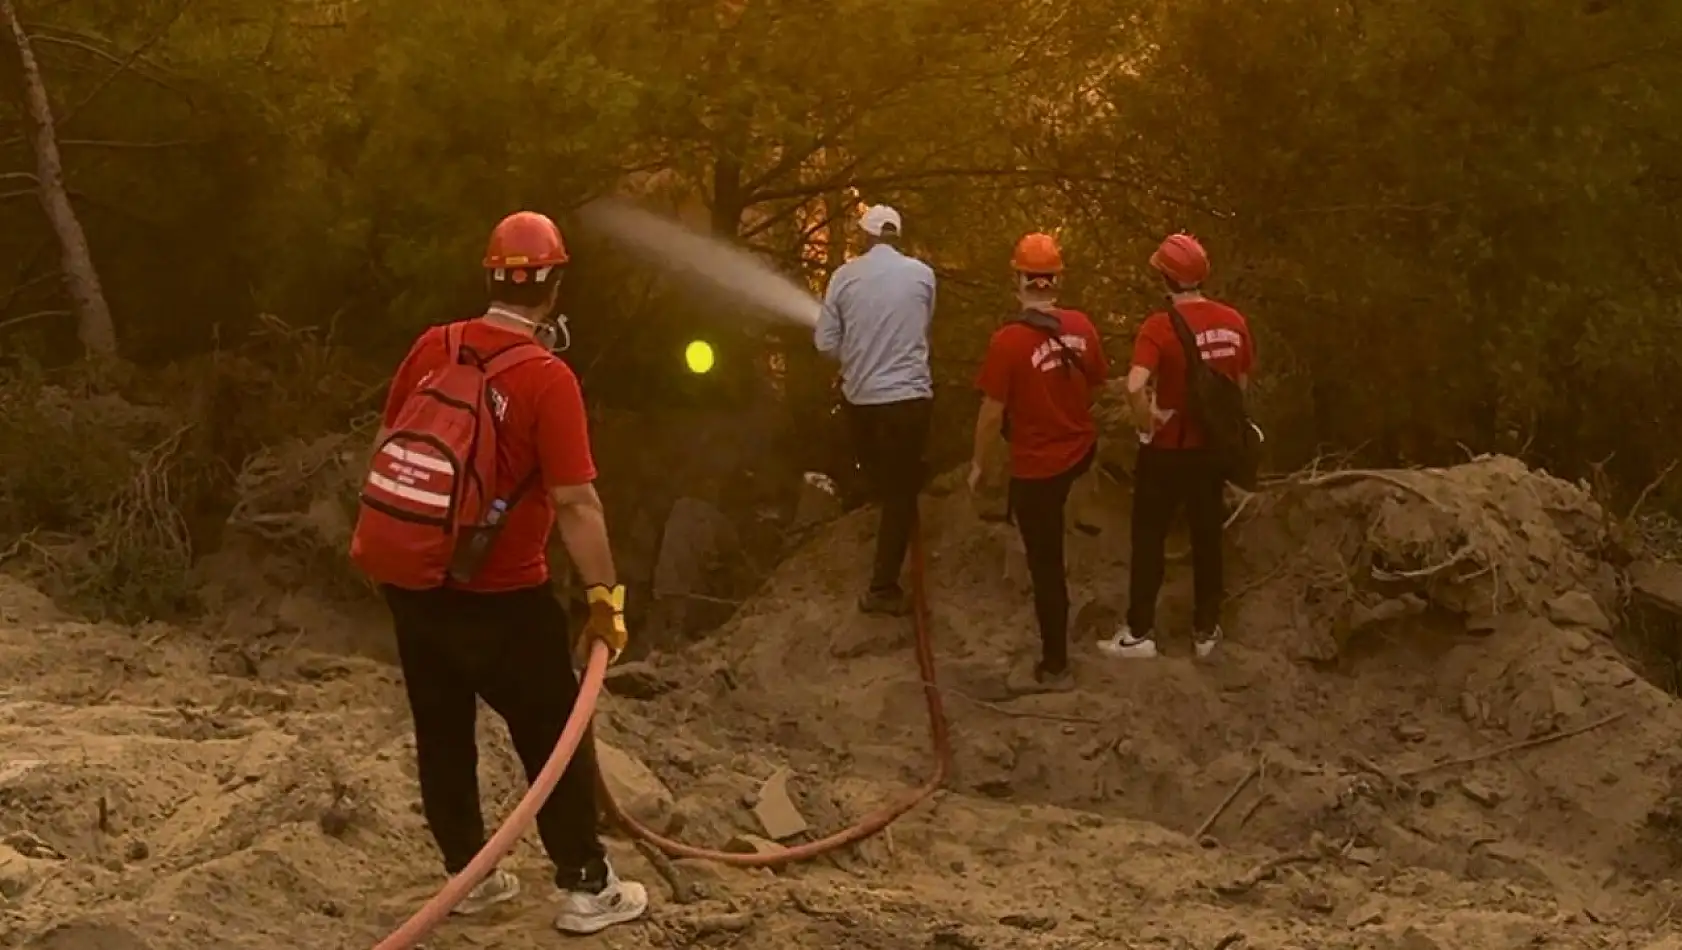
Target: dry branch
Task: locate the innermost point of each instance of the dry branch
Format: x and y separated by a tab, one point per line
1499	751
1232	796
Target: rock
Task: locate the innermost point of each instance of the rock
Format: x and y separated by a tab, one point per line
15	769
752	844
88	936
1659	583
1365	857
819	502
776	811
1480	793
638	680
1315	899
1574	640
1470	709
1371	912
1415	939
1410	732
1033	923
634	786
17	874
1577	608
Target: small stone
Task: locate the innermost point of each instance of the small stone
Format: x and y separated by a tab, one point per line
1035	923
1480	793
17	874
1410	732
1365	857
1482	624
136	850
1371	912
1577	608
1316	900
1574	640
1470	710
776	810
1415	939
638	680
752	844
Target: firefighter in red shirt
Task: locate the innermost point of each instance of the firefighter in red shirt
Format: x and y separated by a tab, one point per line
500	634
1176	468
1041	372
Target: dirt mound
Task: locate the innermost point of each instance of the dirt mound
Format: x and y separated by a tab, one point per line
1366	775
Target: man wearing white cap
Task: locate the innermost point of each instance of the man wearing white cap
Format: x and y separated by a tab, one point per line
875	320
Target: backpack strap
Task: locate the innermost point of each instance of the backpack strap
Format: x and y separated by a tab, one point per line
1053	329
1188	343
452	342
506	359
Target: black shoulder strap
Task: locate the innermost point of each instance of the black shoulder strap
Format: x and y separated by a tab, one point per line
1194	361
1188	339
1052	327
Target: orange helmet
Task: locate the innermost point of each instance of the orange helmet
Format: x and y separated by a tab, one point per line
1037	254
525	246
1182	260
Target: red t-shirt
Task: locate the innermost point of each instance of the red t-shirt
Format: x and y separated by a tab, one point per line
1224	337
542	426
1048	405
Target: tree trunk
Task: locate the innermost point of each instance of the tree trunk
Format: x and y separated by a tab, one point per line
93	316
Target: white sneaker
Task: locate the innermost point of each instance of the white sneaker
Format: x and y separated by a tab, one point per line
497	887
617	902
1205	643
1125	646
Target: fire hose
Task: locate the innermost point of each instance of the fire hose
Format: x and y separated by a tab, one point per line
433	912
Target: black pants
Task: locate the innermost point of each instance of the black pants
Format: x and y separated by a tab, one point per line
1163	481
1037	506
511	649
889	441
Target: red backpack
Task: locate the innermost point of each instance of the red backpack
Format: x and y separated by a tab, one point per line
427	511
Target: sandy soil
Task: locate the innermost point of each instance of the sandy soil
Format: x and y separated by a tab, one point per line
250	784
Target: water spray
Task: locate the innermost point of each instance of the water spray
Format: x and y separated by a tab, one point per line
702	260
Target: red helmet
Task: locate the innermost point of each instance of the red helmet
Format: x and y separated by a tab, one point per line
526	246
1182	260
1037	254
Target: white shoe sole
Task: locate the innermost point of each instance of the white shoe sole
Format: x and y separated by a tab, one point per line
468	908
632	907
1145	650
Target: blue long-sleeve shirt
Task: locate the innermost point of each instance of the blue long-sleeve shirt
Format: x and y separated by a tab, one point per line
875	320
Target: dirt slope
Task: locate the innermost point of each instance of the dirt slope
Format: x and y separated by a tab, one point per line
165	788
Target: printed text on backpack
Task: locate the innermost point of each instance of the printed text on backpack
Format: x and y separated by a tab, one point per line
432	479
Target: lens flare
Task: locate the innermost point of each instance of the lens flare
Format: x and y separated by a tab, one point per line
698	356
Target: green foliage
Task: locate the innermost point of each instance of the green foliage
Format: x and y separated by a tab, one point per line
1451	221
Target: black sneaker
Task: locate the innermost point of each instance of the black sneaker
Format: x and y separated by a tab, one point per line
886	603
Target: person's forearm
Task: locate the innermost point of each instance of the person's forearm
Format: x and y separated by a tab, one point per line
583	530
986	432
1139	403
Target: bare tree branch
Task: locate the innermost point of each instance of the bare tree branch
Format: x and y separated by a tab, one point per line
31	317
123	144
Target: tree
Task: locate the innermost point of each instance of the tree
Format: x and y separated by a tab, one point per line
81	279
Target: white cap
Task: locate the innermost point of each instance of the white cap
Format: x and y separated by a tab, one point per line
878	217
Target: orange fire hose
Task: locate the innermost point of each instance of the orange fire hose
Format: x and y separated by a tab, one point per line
433	912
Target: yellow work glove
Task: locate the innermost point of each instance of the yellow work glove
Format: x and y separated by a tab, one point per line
605	623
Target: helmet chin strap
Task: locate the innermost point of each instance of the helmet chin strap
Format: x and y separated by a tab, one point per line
553	334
